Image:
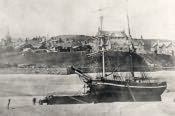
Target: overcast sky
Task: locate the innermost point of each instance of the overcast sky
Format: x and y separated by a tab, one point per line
27	18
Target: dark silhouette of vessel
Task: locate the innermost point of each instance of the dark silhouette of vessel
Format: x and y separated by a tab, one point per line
111	90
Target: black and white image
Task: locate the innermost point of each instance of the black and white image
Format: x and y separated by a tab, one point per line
87	57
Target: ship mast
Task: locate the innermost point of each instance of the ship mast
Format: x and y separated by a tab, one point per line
132	45
103	46
101	23
103	60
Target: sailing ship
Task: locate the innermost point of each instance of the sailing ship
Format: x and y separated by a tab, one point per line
117	88
103	89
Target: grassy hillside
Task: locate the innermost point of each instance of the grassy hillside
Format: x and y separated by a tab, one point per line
141	62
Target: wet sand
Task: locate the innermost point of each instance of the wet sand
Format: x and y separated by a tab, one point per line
104	109
22	88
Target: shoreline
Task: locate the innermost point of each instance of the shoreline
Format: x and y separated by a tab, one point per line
60	71
55	71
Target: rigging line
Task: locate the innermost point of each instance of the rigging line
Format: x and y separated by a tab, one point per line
123	78
79	91
119	76
85	76
115	69
131	93
80	78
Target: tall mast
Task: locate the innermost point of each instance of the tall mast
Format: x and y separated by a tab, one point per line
102	40
127	17
101	23
129	30
103	60
130	38
103	45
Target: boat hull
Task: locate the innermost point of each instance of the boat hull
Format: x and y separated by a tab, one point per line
122	92
113	92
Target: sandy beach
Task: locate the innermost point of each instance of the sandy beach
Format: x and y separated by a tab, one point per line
22	88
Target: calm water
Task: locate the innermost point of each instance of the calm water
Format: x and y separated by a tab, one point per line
38	85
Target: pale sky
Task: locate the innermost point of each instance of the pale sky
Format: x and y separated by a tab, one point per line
27	18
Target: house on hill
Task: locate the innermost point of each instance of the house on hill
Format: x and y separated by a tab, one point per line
170	48
154	48
163	47
116	40
18	42
3	43
34	43
158	48
60	45
68	43
139	45
25	46
7	41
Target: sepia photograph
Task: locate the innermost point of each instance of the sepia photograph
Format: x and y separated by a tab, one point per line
87	58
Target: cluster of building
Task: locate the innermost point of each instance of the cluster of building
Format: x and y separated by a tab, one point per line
115	41
163	47
119	41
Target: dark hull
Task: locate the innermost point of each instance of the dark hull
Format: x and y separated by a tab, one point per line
112	92
123	92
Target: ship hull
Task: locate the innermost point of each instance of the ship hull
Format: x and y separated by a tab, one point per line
113	92
109	92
